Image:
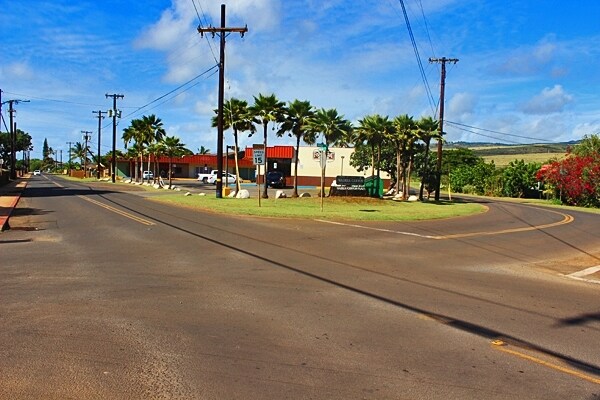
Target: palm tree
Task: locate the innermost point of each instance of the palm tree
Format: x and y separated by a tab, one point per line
296	121
133	133
266	109
335	130
79	151
374	129
172	147
156	150
203	150
151	131
428	129
236	117
404	136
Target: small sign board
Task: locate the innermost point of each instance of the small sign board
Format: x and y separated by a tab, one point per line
349	186
258	154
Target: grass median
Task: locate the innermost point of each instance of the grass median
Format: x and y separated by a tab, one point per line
334	208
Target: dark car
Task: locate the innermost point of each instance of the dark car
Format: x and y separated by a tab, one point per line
276	179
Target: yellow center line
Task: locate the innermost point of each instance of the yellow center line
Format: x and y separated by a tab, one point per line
117	211
501	346
567	219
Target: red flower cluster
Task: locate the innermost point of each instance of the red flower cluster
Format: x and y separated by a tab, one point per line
576	179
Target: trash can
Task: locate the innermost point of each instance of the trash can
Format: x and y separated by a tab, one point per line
374	186
226	190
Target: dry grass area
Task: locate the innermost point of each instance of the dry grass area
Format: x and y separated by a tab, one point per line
502	160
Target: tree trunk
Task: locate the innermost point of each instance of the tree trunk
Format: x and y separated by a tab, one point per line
425	172
235	156
265	194
295	194
170	174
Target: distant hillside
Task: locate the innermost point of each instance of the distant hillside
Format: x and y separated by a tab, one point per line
494	149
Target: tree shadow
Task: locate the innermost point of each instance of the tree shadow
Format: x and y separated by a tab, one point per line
580	319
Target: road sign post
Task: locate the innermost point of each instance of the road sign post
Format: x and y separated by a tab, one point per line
258	159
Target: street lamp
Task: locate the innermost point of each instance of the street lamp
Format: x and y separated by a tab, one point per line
342	171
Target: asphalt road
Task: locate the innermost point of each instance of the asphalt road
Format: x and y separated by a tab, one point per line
106	294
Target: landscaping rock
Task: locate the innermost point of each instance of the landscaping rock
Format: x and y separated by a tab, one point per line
305	194
280	194
243	194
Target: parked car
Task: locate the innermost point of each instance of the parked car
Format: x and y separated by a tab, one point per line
276	179
212	177
147	175
37	172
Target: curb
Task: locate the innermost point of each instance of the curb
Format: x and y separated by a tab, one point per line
8	201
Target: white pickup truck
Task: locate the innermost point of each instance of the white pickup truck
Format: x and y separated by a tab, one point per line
211	177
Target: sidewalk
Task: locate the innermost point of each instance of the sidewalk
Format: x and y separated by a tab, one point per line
9	197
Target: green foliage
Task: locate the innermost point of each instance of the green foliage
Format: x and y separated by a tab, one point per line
589	146
455	158
519	178
480	178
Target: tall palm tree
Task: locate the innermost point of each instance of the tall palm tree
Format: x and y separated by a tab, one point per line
373	130
266	109
404	136
133	134
334	129
296	121
79	151
173	147
428	129
236	117
151	131
203	150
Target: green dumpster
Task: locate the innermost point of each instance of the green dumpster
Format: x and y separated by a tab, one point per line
374	186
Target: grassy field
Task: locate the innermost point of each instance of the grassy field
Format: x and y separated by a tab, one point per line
502	160
334	208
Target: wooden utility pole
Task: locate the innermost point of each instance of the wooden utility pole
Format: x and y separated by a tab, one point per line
114	113
100	117
222	31
13	137
86	136
442	61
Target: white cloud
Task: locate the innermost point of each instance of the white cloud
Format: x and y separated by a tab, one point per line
17	71
461	104
550	100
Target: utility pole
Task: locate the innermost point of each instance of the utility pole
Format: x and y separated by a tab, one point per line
100	117
222	31
86	136
13	137
114	113
69	144
442	61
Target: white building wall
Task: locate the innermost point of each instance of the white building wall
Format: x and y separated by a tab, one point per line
340	165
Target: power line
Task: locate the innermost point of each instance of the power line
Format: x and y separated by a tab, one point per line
206	24
457	124
418	57
174	90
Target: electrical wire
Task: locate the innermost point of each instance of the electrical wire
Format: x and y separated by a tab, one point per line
206	23
418	57
174	90
458	124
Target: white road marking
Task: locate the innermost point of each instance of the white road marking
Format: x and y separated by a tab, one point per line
379	229
585	272
580	275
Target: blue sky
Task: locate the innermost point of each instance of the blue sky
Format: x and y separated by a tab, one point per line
528	70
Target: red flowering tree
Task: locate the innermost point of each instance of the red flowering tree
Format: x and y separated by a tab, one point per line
575	180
